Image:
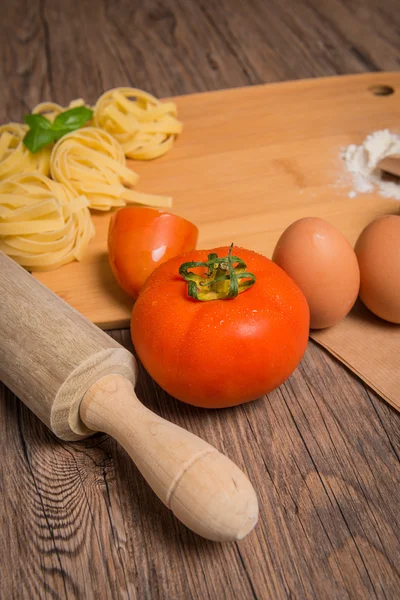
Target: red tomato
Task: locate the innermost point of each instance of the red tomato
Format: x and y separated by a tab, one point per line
220	352
141	238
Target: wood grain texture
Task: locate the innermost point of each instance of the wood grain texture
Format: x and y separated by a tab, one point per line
77	520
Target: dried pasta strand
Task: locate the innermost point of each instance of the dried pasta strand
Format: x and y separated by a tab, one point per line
15	157
91	162
128	113
29	212
24	227
53	226
81	155
27	244
149	114
16	199
151	150
133	197
51	110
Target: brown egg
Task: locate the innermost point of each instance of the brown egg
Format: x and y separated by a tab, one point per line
324	265
378	253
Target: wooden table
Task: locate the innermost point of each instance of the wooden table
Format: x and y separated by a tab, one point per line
76	519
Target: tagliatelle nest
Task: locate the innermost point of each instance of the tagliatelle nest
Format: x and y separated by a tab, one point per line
42	224
145	127
15	157
90	161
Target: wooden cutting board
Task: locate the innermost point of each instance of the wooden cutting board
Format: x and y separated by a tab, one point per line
249	162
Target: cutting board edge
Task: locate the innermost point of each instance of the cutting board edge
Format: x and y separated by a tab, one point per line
328	79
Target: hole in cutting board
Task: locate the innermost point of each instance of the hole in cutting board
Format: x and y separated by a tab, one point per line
381	90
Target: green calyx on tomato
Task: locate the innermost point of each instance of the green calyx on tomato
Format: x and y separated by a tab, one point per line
223	278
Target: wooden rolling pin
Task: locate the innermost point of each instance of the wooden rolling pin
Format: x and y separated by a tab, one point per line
78	380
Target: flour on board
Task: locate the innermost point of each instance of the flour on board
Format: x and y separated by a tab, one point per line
361	161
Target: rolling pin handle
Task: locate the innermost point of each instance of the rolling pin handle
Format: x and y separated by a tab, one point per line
203	488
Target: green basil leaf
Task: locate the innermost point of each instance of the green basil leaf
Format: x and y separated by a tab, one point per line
72	119
37	138
59	133
37	121
42	132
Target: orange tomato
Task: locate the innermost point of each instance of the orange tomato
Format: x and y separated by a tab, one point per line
141	238
220	352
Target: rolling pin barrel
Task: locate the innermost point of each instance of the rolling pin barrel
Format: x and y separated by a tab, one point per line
49	353
78	380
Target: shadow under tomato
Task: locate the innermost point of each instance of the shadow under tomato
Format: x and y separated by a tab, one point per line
211	424
108	284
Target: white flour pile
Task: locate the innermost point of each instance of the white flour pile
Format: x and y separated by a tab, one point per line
361	162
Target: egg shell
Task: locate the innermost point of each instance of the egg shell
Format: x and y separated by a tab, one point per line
323	264
378	253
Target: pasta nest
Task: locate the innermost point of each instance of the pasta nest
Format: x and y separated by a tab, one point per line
43	225
15	157
145	127
90	161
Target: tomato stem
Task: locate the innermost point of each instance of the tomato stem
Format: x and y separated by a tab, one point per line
222	280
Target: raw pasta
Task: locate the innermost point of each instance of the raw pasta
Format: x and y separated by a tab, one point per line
42	224
145	127
15	158
90	161
45	222
51	110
